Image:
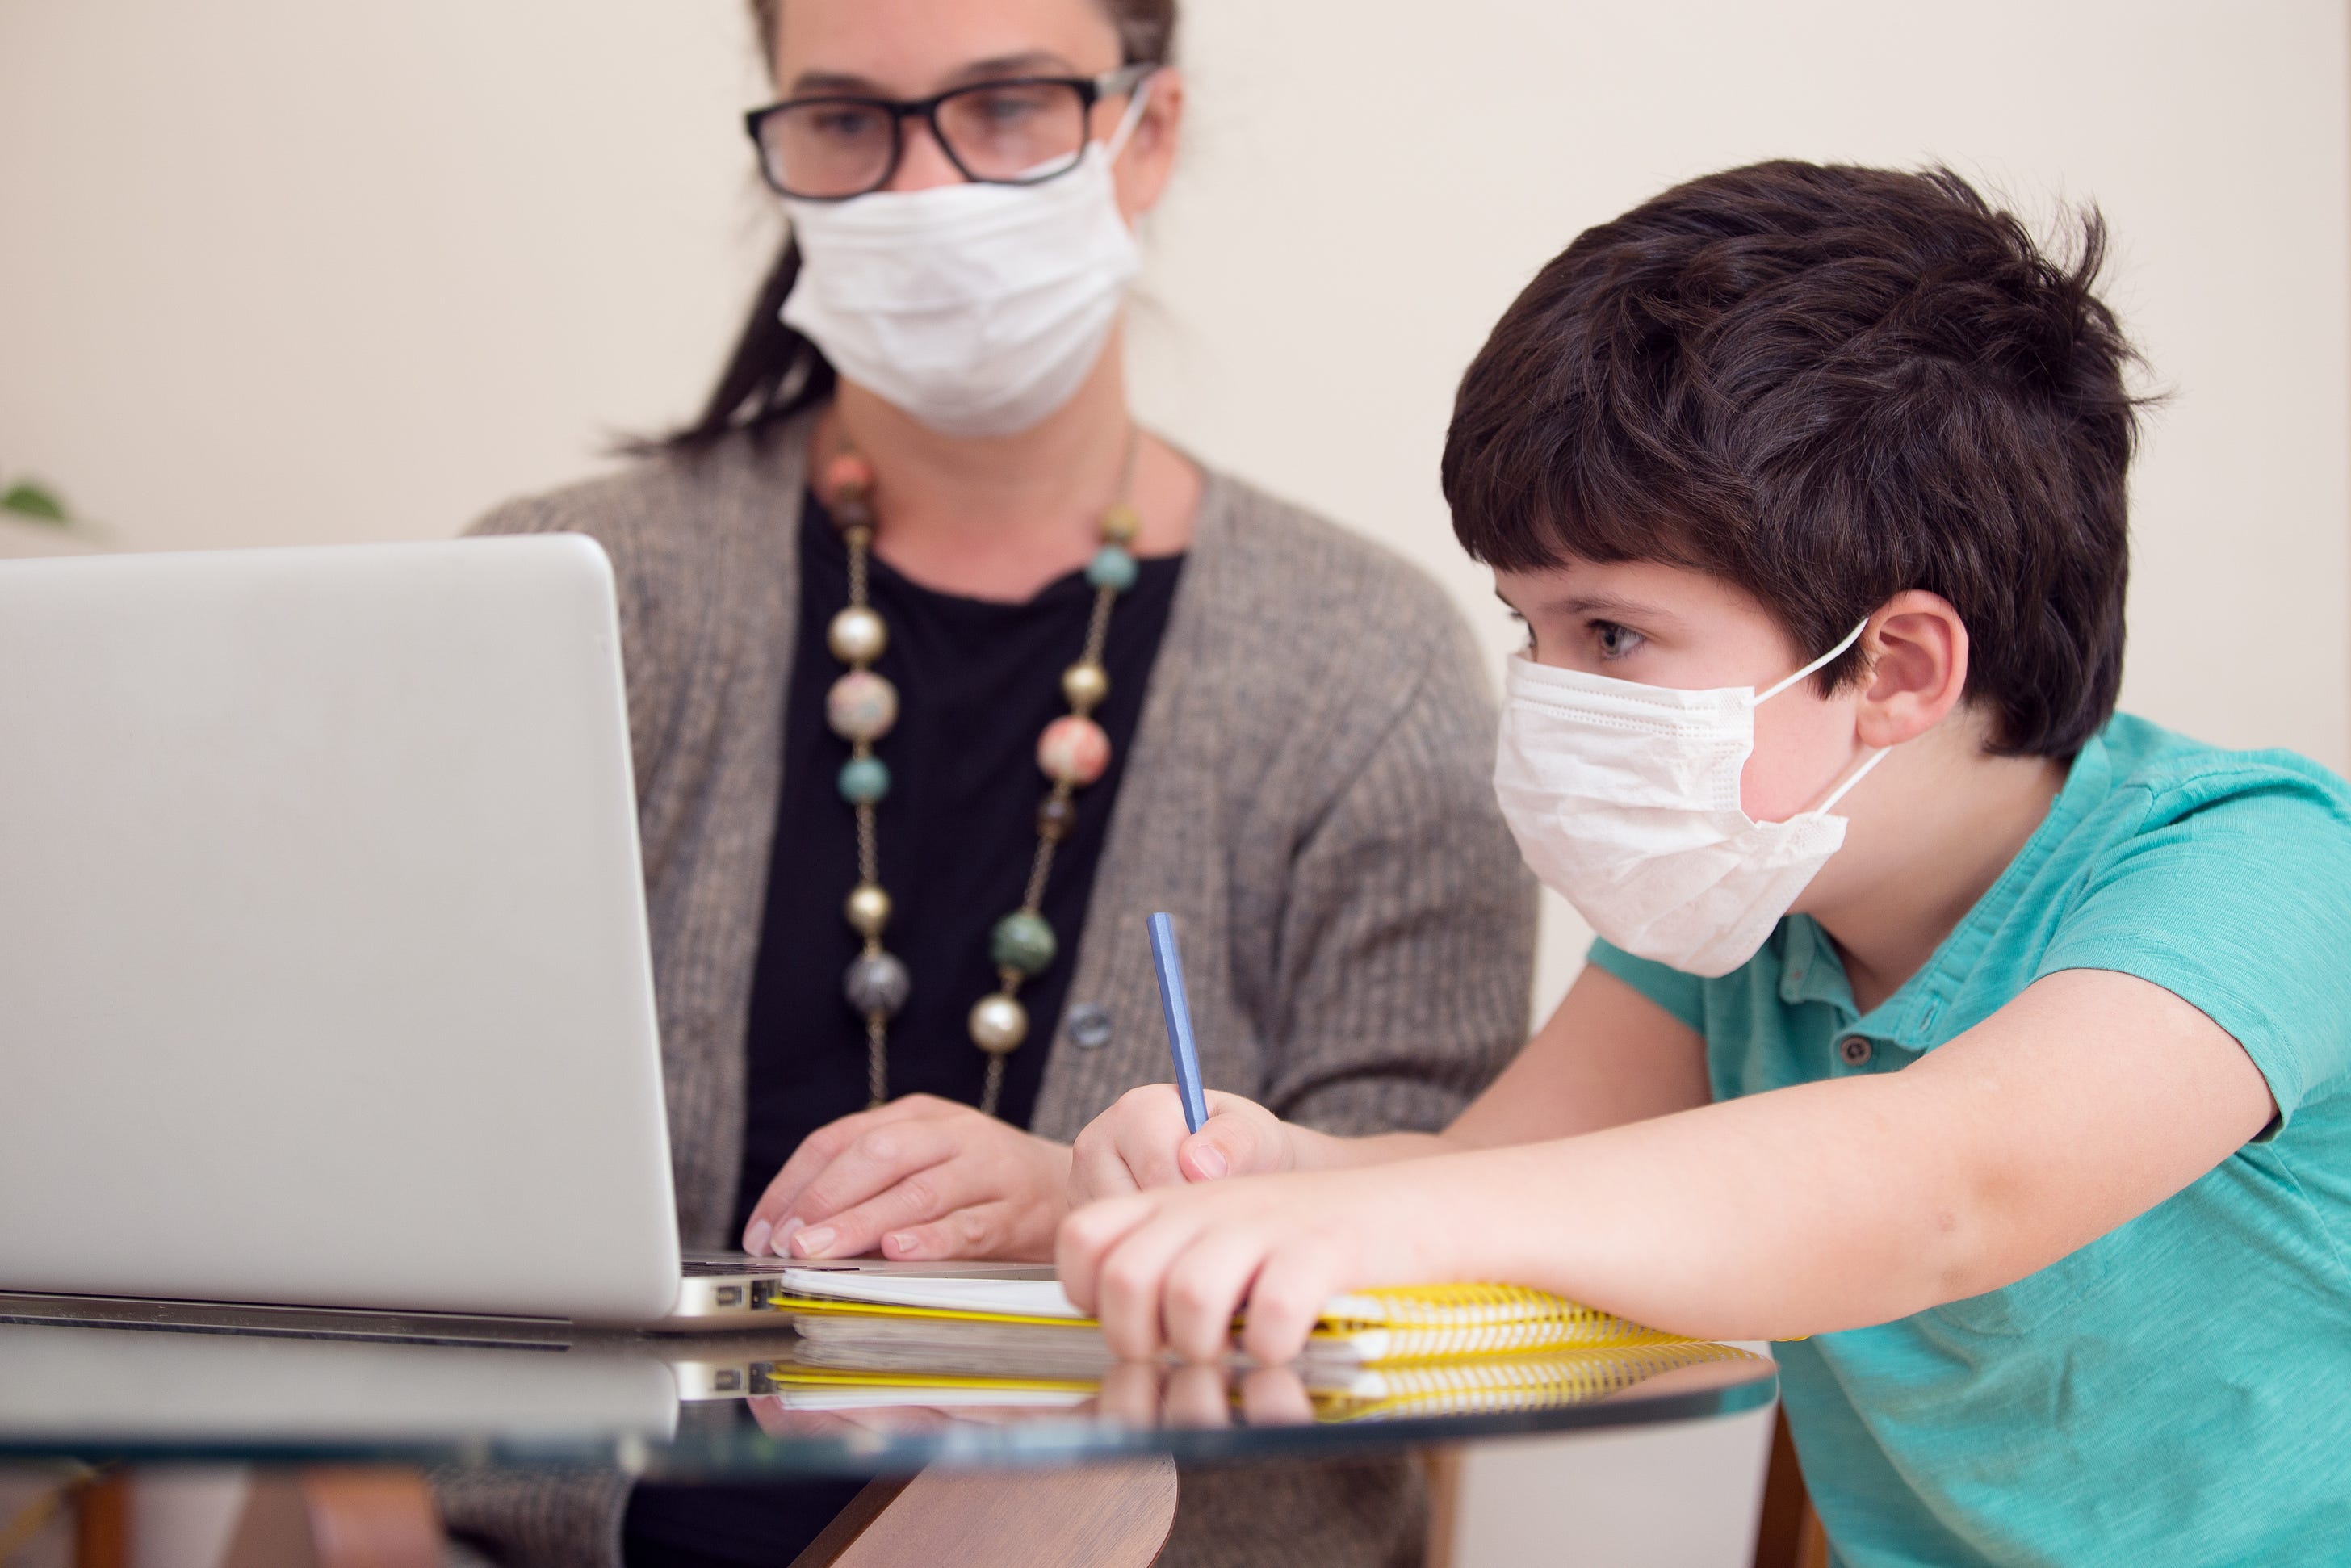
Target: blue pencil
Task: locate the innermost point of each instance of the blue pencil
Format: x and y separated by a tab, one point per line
1171	1002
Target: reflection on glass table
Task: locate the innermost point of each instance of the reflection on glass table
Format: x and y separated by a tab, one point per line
791	1404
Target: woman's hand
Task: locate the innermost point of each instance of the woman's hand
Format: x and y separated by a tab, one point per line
919	1177
1140	1142
1169	1268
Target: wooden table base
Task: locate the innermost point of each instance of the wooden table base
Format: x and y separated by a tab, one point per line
1093	1516
1113	1516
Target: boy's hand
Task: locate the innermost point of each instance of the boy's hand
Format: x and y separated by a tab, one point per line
1140	1142
919	1177
1169	1268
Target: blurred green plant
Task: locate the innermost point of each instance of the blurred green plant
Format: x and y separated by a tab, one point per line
31	499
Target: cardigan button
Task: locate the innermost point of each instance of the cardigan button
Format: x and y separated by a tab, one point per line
1089	1028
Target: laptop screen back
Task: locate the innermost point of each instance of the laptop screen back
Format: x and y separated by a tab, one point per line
323	964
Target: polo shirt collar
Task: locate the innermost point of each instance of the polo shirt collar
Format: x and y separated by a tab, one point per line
1912	1018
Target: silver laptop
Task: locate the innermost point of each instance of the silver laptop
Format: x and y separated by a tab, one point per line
324	979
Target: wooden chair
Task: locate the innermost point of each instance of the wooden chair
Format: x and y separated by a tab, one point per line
1790	1534
324	1515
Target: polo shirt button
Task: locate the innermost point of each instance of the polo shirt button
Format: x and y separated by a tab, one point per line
1090	1026
1856	1050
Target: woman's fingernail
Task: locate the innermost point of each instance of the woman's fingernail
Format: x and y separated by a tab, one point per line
1209	1161
755	1239
784	1234
812	1243
902	1242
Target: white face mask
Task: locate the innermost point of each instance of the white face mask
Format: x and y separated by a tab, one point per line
978	310
1624	801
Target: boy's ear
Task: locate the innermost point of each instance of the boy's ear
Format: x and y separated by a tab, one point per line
1917	652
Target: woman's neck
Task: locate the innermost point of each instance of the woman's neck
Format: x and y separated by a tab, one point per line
1000	517
1950	818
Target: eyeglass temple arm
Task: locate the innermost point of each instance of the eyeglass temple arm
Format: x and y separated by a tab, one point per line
1126	80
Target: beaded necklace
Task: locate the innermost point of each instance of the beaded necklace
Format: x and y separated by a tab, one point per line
1073	752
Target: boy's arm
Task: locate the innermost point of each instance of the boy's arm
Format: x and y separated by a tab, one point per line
2087	1101
1609	1055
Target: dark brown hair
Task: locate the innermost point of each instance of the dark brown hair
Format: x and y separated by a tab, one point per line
1827	385
776	371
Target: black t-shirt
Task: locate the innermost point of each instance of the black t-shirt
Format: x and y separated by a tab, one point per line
977	682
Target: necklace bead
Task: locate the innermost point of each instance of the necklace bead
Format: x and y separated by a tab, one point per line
877	983
1121	523
857	635
1113	568
868	909
864	780
861	705
1022	941
1057	818
1085	684
999	1024
1073	750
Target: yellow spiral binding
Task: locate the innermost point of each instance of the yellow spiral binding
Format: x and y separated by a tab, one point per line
1434	1321
1490	1387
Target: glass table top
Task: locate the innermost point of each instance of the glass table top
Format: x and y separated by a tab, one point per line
774	1403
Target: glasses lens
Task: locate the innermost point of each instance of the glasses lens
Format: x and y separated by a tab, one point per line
837	147
1014	130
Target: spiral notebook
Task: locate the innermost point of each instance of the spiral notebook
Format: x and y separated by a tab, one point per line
1364	1327
829	1375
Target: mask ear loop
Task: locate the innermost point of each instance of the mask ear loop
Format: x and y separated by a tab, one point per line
1135	101
1823	662
1855	776
1876	757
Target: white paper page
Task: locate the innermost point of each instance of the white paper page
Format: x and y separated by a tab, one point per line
1022	1294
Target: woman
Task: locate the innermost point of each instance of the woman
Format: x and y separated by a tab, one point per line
942	675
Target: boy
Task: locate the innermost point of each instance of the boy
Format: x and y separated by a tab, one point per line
2019	1082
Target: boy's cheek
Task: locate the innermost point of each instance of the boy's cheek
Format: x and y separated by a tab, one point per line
1803	745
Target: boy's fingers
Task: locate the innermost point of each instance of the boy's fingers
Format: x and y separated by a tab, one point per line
1128	1286
1097	1169
1241	1137
1285	1303
1204	1289
1228	1145
1146	1126
1086	1235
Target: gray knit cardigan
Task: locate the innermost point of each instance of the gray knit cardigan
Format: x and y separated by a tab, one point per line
1307	793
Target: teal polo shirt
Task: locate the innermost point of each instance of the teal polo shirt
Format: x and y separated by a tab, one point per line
2180	1390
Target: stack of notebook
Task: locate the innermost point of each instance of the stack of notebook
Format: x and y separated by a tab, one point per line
1008	1336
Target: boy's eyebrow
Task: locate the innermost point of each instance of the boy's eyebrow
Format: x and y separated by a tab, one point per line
1612	605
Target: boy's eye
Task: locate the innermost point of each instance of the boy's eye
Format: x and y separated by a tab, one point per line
1615	641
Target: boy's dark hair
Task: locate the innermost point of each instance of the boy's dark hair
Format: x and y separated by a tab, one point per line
1827	385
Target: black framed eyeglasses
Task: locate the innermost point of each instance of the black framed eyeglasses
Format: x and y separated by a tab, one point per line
1016	132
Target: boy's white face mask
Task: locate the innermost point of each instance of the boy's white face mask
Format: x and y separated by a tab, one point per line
1625	801
978	310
